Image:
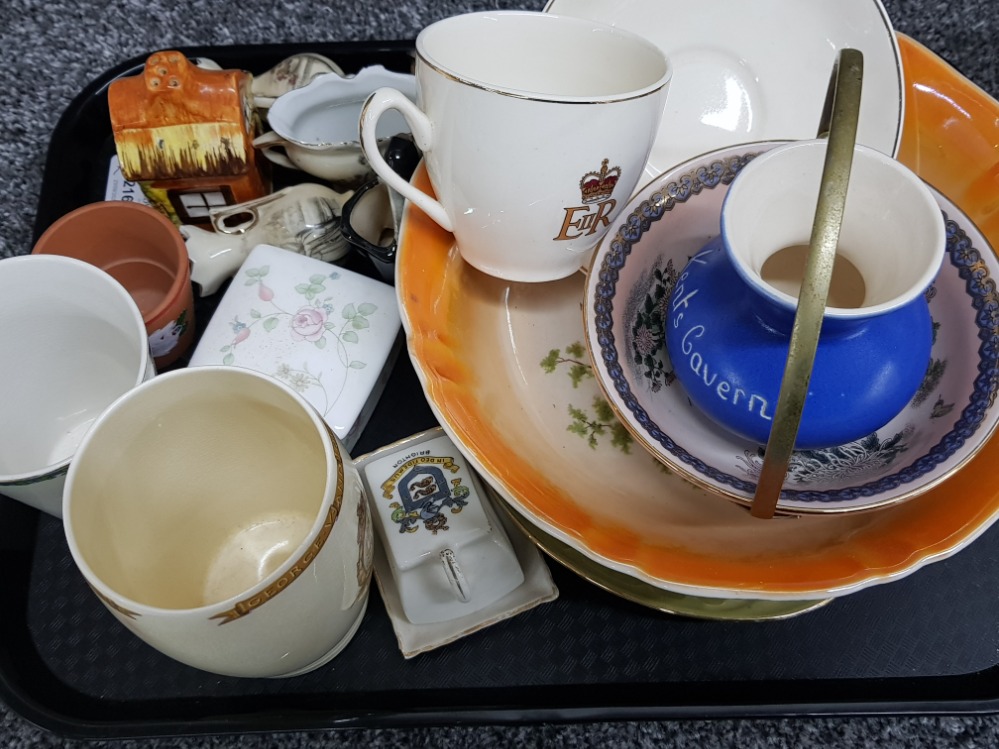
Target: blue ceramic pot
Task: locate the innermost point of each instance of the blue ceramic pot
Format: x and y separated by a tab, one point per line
728	329
728	345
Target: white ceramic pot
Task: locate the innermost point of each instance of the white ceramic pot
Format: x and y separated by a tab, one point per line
217	517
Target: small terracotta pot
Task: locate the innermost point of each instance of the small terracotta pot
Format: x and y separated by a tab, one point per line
145	253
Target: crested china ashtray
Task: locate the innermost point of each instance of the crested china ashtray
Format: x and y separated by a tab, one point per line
446	564
328	332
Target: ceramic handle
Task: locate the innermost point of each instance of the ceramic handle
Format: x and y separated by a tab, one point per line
267	142
377	104
455	577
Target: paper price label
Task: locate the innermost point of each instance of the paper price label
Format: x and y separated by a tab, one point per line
119	188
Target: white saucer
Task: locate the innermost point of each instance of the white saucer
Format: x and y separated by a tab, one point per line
751	71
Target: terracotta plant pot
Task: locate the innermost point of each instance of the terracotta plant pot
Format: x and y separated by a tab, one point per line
146	254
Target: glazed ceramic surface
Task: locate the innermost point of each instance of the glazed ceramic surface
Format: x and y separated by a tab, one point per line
73	341
327	332
530	160
536	586
950	135
732	305
291	73
731	86
185	135
315	127
141	249
944	424
521	402
448	553
641	592
304	218
217	517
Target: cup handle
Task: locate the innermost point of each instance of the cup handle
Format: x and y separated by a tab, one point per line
267	142
455	576
378	102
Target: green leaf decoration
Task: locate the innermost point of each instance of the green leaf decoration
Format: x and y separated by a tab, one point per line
250	282
349	336
367	308
317	279
254	313
228	359
575	349
321	343
603	409
621	438
349	312
270	323
357	365
360	323
225	348
302	288
577	372
550	362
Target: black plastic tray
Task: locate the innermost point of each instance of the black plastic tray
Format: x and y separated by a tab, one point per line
926	644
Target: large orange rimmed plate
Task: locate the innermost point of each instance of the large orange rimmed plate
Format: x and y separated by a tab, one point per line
505	369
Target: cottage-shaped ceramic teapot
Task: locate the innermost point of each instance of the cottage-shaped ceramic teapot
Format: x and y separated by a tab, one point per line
185	134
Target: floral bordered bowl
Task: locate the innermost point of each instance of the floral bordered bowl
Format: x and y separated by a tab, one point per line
629	283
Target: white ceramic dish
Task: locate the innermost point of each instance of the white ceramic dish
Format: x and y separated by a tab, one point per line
327	332
753	71
629	283
531	586
448	554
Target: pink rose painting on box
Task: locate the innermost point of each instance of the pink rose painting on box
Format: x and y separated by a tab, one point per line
313	319
308	324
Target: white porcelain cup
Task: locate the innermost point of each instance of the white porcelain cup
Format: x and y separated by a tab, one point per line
73	340
218	518
535	130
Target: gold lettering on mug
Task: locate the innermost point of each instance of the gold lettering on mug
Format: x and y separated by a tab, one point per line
595	193
244	607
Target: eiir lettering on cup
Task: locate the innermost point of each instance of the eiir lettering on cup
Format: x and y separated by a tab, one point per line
595	190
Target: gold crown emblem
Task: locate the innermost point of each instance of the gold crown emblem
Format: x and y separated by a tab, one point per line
597	186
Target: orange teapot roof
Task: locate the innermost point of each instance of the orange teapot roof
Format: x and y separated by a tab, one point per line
172	91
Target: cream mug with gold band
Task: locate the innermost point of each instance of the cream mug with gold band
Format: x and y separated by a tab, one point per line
535	130
219	519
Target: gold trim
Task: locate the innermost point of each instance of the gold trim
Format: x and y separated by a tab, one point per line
455	78
245	606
